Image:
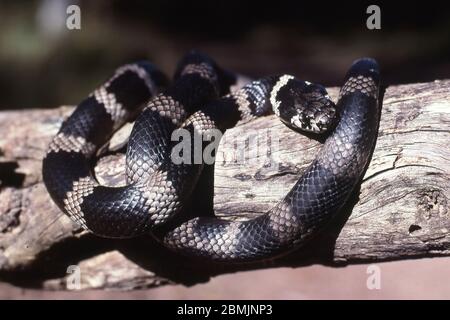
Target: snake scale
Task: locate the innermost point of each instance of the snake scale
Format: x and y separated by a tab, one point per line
201	98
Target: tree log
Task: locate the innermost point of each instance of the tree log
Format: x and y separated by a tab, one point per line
400	211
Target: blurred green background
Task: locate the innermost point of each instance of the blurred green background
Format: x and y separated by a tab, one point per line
44	65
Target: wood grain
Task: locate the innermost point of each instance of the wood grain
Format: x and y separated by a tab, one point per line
400	211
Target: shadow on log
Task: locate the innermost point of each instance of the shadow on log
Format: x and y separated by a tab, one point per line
400	211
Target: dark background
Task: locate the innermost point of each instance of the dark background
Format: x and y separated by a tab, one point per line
43	64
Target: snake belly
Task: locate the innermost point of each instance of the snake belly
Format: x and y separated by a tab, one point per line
317	196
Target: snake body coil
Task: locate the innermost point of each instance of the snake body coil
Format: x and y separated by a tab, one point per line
157	188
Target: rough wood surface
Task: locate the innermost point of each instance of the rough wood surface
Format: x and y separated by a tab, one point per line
400	211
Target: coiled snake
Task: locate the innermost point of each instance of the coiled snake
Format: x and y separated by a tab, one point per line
197	101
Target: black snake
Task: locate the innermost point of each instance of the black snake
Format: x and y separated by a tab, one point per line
200	100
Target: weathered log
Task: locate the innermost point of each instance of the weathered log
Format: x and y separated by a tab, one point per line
400	211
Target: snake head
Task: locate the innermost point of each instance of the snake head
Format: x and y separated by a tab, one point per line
306	107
